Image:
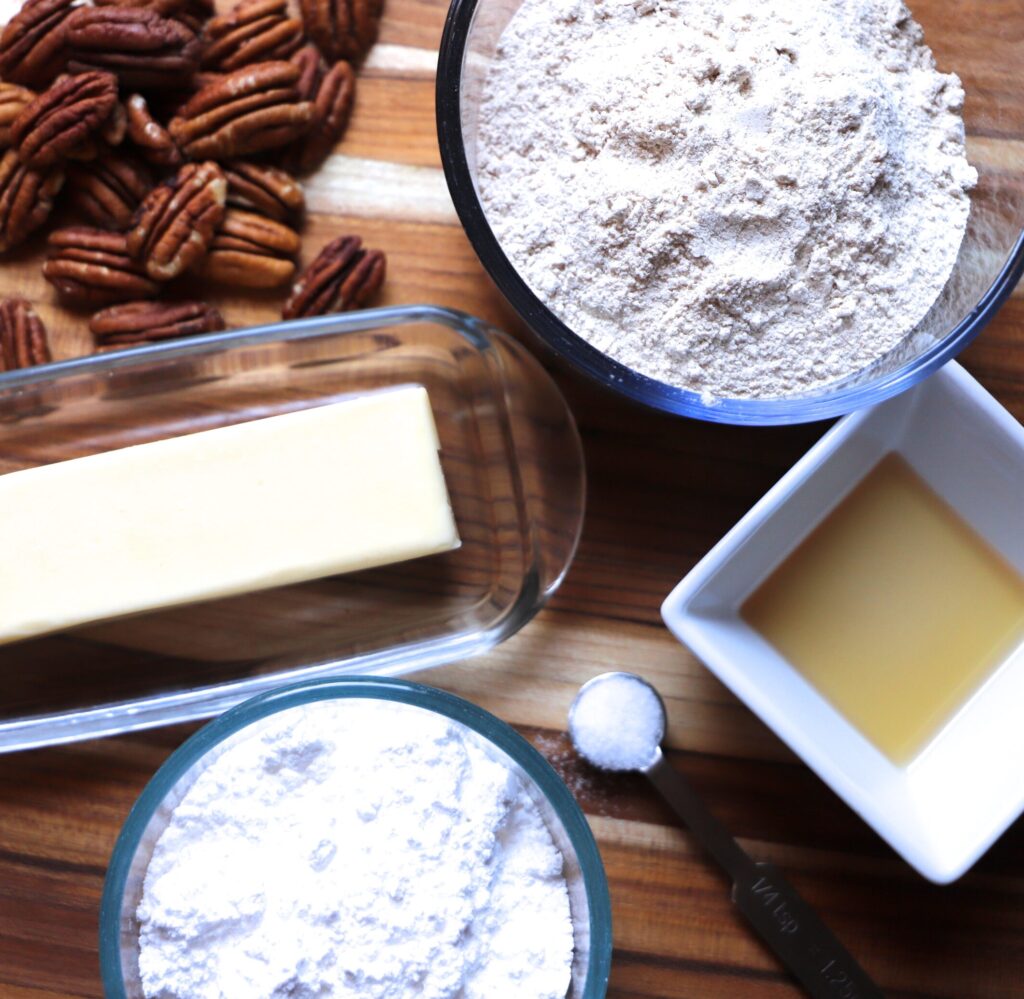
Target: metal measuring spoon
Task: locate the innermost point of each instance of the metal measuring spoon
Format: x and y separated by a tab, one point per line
617	722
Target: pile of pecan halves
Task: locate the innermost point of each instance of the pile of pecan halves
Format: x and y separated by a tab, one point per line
172	139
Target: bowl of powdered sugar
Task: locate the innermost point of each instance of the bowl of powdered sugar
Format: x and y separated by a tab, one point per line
743	211
357	837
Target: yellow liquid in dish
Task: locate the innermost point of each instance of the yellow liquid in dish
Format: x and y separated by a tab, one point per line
894	609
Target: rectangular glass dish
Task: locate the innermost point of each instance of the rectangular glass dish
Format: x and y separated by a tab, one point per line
512	463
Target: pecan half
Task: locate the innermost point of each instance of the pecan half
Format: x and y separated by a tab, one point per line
204	78
26	198
23	340
333	99
165	8
141	322
63	120
151	138
141	47
343	276
252	109
252	31
264	189
113	130
176	222
342	29
12	100
108	191
251	251
32	45
311	71
92	267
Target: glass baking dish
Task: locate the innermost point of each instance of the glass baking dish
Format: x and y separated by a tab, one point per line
512	462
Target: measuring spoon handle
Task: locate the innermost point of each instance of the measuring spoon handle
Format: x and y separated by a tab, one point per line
797	935
772	905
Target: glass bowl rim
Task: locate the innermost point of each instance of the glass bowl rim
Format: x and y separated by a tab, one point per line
600	368
484	723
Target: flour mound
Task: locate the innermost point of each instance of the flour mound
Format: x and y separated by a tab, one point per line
356	850
740	198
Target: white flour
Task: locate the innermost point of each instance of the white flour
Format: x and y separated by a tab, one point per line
356	849
742	198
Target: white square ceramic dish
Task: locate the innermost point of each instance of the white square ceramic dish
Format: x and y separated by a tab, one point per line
947	807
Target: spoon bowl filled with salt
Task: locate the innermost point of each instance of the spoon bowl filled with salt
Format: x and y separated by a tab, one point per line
617	722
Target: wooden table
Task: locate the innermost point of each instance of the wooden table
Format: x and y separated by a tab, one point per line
662	491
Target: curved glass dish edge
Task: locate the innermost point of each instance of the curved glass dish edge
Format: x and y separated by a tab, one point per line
190	705
478	332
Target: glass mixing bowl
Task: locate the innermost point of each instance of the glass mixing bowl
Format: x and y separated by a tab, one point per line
986	49
588	887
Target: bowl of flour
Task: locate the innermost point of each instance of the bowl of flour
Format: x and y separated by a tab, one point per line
740	211
356	837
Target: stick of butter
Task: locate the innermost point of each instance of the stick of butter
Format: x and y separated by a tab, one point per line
333	489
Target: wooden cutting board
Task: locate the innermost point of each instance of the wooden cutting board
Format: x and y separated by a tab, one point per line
662	491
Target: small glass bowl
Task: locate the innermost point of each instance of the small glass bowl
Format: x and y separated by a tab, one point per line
984	50
588	887
512	462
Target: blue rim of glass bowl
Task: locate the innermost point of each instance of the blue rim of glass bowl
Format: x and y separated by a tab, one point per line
483	722
601	368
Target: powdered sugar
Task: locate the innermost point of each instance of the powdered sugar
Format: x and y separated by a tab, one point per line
354	848
745	199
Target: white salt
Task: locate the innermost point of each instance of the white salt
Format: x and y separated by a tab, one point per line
618	723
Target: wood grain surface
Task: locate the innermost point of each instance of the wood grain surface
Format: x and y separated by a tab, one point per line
662	491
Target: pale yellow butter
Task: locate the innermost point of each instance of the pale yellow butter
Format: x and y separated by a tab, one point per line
341	487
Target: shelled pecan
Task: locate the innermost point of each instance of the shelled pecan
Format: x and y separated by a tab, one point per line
311	70
204	78
343	276
141	322
143	48
166	8
32	44
26	198
92	267
252	31
177	220
63	120
247	111
113	130
152	140
264	189
333	99
158	86
251	251
342	29
109	190
12	101
23	339
190	21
